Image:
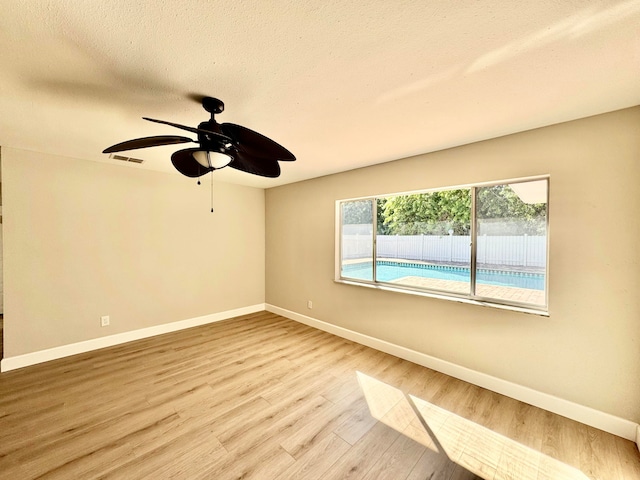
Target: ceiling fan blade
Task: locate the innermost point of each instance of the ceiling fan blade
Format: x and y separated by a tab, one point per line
187	165
265	167
146	142
256	144
218	136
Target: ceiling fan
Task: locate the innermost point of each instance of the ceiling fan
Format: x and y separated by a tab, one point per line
220	145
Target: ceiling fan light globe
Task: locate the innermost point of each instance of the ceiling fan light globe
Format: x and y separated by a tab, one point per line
219	160
214	160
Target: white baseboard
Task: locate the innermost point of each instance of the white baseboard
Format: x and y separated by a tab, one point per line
589	416
41	356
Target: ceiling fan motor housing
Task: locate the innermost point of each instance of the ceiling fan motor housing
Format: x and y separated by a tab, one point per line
222	144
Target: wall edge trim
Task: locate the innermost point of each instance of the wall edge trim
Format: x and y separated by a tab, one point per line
580	413
33	358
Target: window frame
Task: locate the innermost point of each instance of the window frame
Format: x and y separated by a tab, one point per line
472	297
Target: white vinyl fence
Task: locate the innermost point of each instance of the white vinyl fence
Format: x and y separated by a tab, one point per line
513	250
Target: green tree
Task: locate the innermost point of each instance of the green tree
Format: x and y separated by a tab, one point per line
436	213
383	228
360	212
357	212
433	213
500	205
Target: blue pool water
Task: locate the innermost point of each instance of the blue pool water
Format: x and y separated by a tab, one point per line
390	271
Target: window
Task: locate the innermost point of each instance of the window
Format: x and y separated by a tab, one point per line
357	244
486	242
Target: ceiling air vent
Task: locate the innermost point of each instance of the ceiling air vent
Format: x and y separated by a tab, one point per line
126	159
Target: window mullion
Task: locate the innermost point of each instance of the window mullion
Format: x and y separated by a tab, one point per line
375	239
474	243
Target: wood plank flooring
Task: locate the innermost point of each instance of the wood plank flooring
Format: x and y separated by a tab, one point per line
263	397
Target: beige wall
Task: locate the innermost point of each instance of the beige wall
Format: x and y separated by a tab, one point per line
587	351
85	239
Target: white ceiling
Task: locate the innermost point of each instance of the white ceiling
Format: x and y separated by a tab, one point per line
341	84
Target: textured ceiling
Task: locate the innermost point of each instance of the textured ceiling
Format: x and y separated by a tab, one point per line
340	84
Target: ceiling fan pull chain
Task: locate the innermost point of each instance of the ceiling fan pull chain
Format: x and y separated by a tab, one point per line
212	191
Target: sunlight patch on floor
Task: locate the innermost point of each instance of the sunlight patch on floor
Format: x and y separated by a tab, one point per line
476	448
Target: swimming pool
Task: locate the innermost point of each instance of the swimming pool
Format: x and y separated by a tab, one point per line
390	271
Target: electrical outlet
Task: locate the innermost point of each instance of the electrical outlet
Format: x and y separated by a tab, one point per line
104	321
309	304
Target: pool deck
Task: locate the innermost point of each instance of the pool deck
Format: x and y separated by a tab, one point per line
512	294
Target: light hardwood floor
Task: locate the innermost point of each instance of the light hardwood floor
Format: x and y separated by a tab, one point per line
263	397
